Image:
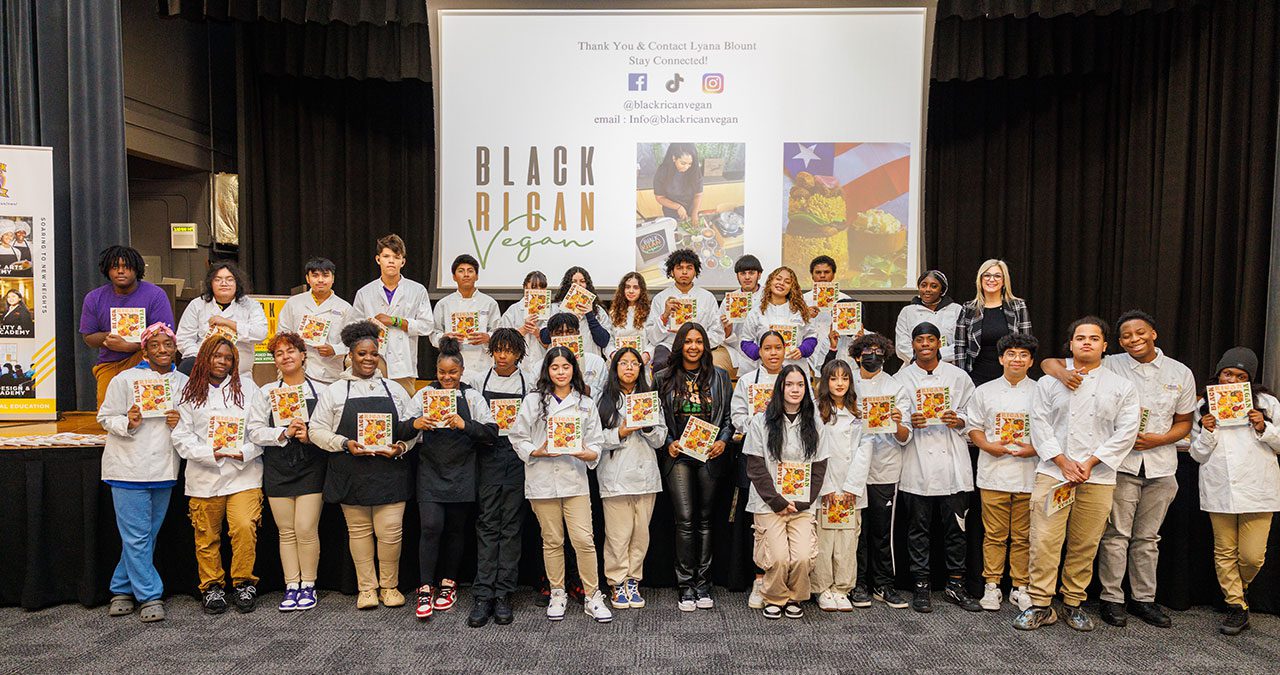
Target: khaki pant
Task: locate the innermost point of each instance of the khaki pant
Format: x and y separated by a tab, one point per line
1006	519
626	536
553	517
836	567
298	519
375	527
1239	549
784	548
242	512
721	358
1133	536
1080	526
103	373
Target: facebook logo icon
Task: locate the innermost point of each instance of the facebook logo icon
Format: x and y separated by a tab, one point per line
637	82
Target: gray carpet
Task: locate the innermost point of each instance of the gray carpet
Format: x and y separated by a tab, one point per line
335	637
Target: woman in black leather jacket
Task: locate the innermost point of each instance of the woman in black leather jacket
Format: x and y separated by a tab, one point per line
691	386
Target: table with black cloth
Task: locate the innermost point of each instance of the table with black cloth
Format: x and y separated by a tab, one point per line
60	542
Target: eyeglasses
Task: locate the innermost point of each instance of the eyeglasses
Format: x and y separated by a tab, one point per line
994	277
867	352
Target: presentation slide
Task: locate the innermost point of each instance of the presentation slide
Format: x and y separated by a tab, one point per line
609	138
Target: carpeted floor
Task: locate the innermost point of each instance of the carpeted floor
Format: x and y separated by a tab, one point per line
335	637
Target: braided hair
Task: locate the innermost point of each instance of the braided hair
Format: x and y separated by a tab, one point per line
197	390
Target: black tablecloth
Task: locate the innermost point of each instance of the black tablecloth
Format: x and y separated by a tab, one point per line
59	540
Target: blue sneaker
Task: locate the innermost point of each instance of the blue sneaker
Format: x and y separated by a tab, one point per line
633	594
306	597
621	600
290	601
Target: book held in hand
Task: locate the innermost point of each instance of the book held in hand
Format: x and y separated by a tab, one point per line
314	330
825	293
792	480
439	405
1230	403
289	403
837	514
635	342
1142	421
573	343
154	397
578	300
464	323
222	331
846	317
225	433
374	430
697	439
1012	428
564	434
737	305
759	395
788	333
537	303
128	323
504	412
877	415
932	402
1060	497
643	410
683	310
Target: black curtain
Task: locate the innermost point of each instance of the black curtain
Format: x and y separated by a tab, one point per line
328	166
62	87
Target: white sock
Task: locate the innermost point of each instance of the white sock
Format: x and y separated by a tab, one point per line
291	587
308	584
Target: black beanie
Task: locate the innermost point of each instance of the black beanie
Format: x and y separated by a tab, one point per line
926	328
1241	358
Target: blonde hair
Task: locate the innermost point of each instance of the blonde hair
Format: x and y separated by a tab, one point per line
1006	288
795	297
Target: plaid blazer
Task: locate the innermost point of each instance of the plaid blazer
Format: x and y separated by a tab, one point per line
969	329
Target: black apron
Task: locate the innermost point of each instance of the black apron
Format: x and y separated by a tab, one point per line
447	462
366	480
498	463
295	468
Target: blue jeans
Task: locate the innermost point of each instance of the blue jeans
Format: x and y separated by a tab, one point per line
139	514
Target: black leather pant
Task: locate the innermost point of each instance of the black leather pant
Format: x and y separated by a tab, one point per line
692	490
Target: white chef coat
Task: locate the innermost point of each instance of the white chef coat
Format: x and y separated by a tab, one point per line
936	460
1004	473
734	339
259	430
1165	388
848	455
514	318
334	309
1238	468
756	445
323	425
708	314
757	323
206	476
584	328
474	357
1100	419
822	330
915	314
629	466
594	372
886	454
251	326
628	329
740	405
144	454
409	302
559	476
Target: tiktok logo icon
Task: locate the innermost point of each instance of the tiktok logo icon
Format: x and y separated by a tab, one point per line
673	85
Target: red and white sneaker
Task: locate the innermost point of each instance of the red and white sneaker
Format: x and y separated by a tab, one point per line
422	608
445	597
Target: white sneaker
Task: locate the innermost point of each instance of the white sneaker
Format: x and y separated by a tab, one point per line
1021	598
756	601
595	607
827	602
842	602
705	602
555	610
991	598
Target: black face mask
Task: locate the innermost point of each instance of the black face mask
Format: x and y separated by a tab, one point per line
872	362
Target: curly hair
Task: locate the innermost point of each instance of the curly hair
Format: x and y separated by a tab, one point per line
870	340
508	339
795	298
683	255
242	280
358	332
566	283
197	390
112	255
618	308
286	337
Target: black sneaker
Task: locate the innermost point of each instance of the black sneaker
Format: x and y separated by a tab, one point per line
215	600
1150	614
956	594
543	597
860	596
1113	613
920	600
502	614
480	613
1236	622
245	597
889	596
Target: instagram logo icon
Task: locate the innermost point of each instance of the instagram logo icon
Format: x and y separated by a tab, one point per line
712	83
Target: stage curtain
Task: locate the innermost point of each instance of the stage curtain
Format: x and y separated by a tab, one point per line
328	166
973	9
61	86
348	12
1147	183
